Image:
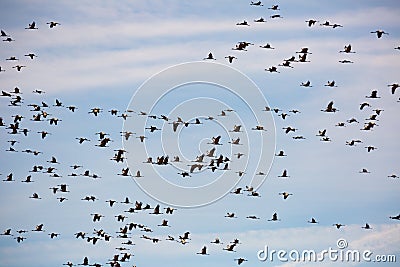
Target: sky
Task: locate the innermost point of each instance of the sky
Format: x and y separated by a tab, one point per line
148	57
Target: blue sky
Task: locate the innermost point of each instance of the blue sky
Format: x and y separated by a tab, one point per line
103	52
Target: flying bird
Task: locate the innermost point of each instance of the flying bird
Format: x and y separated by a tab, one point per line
259	3
210	56
393	87
285	194
338	225
330	108
32	26
240	260
274	217
284	174
380	33
347	49
311	22
230	58
203	251
366	227
52	24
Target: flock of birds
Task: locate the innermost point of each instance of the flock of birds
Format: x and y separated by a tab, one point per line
41	114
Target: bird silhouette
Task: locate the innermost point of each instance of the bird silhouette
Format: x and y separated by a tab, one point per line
312	221
32	26
18	67
240	260
395	217
275	16
210	56
260	20
344	61
330	84
393	87
31	55
38	228
380	33
258	3
230	247
138	175
52	24
311	22
203	251
364	171
374	94
284	174
3	34
267	46
338	225
231	58
252	217
347	49
96	217
9	178
272	69
330	108
367	226
281	154
370	148
285	194
230	215
306	84
274	217
216	241
243	23
7	232
35	196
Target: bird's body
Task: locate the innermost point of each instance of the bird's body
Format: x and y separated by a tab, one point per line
260	20
284	174
330	108
366	227
312	221
338	225
31	55
347	49
243	23
230	215
230	58
311	22
240	260
203	251
374	94
306	84
274	217
258	3
267	46
393	87
272	69
285	194
210	56
380	33
52	24
330	84
32	26
18	67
